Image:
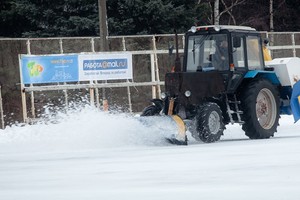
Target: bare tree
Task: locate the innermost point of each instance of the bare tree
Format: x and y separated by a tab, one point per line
228	9
271	16
217	12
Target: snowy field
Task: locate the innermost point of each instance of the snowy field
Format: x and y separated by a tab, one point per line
91	155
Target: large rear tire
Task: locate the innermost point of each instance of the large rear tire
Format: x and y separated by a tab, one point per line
209	125
260	104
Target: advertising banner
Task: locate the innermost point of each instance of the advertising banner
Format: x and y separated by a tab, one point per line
73	68
49	69
105	66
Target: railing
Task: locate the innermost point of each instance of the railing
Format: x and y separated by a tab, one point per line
284	44
94	86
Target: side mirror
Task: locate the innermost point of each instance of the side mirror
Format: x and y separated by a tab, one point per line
171	48
266	41
237	42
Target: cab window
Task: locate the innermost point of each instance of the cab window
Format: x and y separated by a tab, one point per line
207	52
254	53
238	52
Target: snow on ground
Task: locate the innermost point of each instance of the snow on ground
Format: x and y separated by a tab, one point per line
90	155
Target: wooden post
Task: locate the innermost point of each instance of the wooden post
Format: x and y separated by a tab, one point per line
23	94
153	75
294	44
64	91
31	93
103	35
96	82
129	98
156	66
128	88
92	95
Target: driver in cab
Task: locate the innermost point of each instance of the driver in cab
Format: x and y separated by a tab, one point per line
220	58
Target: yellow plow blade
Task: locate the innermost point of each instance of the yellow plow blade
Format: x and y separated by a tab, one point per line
180	138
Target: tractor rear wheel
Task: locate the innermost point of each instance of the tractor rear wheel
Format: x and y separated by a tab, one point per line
260	104
209	125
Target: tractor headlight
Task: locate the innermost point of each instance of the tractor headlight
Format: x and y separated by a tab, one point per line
217	28
193	29
187	93
163	95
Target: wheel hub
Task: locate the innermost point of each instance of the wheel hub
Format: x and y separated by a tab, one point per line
214	122
265	108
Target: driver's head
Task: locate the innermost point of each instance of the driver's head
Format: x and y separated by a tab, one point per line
224	44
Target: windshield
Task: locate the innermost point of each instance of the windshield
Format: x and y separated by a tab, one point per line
207	52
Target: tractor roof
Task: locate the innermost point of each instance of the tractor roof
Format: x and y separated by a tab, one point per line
221	27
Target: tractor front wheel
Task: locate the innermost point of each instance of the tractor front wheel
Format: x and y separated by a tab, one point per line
209	123
150	111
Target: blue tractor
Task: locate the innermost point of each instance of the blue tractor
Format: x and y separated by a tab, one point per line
225	79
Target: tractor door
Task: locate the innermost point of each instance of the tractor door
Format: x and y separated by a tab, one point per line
238	64
246	55
254	53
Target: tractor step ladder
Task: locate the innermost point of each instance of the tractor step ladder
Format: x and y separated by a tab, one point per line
236	110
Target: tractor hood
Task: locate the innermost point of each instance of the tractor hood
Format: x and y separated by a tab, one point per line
200	84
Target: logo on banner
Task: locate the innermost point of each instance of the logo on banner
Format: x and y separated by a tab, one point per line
34	69
107	64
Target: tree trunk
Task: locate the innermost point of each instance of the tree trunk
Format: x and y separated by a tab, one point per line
271	22
216	13
271	17
103	25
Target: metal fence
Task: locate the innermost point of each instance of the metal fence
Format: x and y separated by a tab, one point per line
283	44
94	86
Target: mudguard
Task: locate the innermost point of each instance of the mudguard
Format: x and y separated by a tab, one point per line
270	75
295	101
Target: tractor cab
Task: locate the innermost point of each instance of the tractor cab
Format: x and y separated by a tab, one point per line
230	50
216	60
223	48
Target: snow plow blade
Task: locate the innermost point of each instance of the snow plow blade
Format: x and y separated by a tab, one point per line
168	123
180	138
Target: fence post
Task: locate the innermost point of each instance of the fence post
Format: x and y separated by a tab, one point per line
129	98
128	88
23	94
1	110
96	89
31	85
294	44
124	43
65	91
156	66
92	94
153	75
